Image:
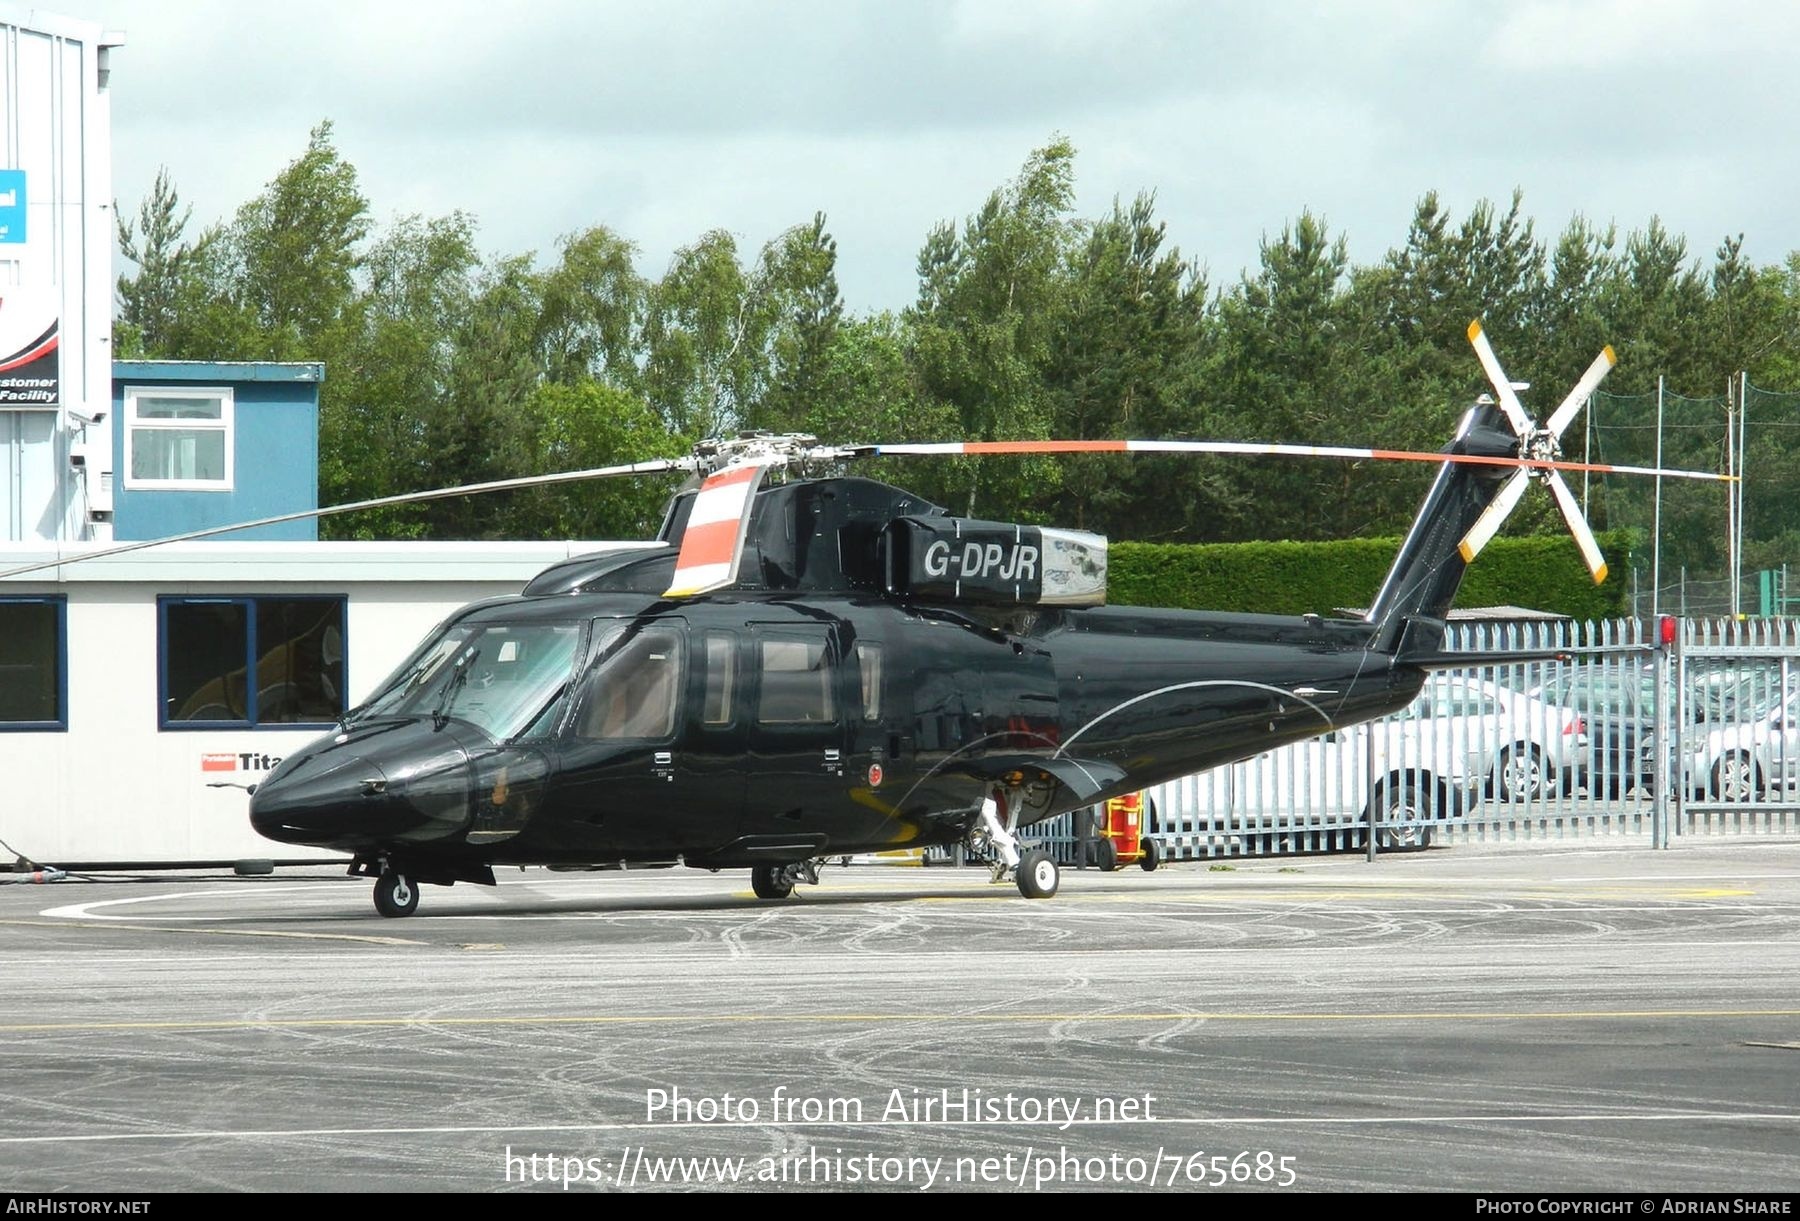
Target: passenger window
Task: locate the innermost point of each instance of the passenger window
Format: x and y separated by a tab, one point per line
634	690
721	677
796	682
868	662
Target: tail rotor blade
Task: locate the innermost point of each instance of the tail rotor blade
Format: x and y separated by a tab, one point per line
1509	400
1584	537
1488	524
1596	373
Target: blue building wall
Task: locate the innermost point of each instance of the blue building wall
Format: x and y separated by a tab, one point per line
275	446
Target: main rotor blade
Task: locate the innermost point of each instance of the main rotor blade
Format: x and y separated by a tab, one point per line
1495	515
1584	537
1596	372
712	544
655	466
1509	401
1256	448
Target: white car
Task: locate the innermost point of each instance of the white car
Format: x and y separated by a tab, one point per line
1525	748
1424	766
1757	753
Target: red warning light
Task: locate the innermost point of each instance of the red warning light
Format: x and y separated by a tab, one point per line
1665	630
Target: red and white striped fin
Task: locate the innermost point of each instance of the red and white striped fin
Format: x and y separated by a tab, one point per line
1254	448
713	542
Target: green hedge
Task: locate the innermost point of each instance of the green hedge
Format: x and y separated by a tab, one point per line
1541	572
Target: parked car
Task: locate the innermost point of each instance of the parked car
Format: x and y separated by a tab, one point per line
1753	751
1618	708
1408	774
1526	748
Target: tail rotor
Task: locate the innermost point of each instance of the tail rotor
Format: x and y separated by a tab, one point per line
1537	444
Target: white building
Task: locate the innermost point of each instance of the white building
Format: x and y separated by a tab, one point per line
56	240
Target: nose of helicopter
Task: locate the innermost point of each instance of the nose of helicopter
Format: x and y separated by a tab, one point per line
360	792
319	800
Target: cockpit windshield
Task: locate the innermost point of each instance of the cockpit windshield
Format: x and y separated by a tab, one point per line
507	680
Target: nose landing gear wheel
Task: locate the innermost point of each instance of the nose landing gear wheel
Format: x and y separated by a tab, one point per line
395	895
1038	874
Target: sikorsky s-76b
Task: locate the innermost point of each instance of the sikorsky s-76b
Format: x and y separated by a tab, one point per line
826	666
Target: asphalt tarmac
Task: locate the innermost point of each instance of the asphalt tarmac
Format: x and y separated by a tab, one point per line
1480	1019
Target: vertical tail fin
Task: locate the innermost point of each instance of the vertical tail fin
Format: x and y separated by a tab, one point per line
1420	587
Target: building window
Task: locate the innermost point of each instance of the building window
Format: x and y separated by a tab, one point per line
33	664
251	662
178	439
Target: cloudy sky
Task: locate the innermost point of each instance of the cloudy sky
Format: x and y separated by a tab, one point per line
664	120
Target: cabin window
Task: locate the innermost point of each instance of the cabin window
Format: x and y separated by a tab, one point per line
796	682
33	664
634	690
721	677
250	662
868	662
179	439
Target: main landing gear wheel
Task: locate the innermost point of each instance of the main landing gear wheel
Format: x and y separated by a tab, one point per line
395	895
770	882
1038	874
1152	856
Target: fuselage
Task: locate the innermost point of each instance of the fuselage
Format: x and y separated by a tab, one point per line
738	728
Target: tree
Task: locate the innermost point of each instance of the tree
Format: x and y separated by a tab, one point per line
288	261
591	306
796	283
985	318
1132	326
153	302
1273	374
391	378
581	425
703	340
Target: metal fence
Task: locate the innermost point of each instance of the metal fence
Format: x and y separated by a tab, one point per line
1700	737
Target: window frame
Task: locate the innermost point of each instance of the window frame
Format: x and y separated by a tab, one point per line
61	603
226	424
828	669
731	673
605	655
250	723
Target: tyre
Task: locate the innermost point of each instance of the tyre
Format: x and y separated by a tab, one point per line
1106	855
1038	874
767	882
1399	805
1152	856
1520	775
396	895
1736	778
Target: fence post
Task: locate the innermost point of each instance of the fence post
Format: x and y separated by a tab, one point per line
1666	757
1368	729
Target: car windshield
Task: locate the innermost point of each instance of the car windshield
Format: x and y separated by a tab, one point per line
507	680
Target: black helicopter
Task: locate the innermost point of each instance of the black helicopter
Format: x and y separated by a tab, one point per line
832	665
829	666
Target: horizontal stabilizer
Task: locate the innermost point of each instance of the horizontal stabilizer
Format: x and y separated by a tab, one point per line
1461	661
